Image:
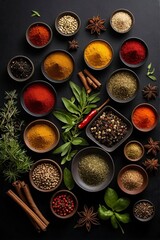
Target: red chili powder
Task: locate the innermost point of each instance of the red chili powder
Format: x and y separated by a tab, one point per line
133	52
39	98
39	35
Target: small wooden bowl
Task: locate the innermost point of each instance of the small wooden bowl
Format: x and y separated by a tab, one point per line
138	145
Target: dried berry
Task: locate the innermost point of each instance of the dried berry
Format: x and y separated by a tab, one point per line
150	91
151	164
152	147
96	25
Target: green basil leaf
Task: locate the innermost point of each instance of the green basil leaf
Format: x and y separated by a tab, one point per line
123	217
93	97
114	221
71	107
104	213
76	90
121	204
68	179
64	117
110	197
61	148
79	141
66	150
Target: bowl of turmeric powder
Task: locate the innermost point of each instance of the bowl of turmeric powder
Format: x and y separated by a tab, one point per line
58	66
41	136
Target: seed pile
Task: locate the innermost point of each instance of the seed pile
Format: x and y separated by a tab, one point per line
121	21
108	129
67	24
143	210
46	176
132	179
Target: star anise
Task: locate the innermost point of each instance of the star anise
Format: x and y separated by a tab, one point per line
152	146
151	164
73	44
87	218
150	91
96	25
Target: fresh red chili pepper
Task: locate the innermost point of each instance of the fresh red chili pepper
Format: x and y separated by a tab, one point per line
89	117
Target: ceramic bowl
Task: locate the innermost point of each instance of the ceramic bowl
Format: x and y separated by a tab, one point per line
38	40
132	179
36	136
20	68
67	23
147	117
103	141
131	53
91	51
38	98
122	20
134	150
58	66
122	85
58	207
45	175
91	179
143	210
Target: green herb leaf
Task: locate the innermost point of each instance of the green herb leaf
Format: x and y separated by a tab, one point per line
152	77
71	107
68	179
64	117
76	90
114	221
110	197
35	13
104	213
79	141
61	148
121	204
149	66
123	217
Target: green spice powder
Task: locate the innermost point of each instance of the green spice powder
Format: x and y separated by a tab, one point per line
93	169
134	150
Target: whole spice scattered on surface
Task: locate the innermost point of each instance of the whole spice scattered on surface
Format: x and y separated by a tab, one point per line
121	21
39	98
108	129
93	169
143	210
98	54
73	44
45	176
132	179
96	25
150	91
122	85
87	218
58	65
151	72
133	51
35	13
152	146
134	150
21	67
67	24
151	164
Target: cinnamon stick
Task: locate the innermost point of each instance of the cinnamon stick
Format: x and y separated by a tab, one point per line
24	206
95	80
84	81
91	83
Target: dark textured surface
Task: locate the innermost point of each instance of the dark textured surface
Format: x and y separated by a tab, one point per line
15	18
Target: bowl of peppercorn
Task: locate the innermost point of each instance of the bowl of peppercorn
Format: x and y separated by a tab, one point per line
64	204
45	175
109	129
143	210
20	68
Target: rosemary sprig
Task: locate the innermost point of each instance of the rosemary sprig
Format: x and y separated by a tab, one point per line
150	72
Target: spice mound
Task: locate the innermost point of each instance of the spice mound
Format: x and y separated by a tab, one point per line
39	98
98	54
46	176
134	150
58	66
132	179
143	210
122	85
93	169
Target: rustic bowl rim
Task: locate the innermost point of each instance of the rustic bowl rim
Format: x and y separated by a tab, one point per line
155	112
45	160
74	198
47	122
43	24
54	80
141	170
148	201
71	13
32	83
19	79
126	11
98	40
137	142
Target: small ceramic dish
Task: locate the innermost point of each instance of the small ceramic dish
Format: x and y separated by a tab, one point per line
92	54
39	35
38	98
122	20
64	204
58	66
67	23
92	169
143	210
20	68
45	175
41	136
115	129
132	179
122	85
144	117
134	150
133	52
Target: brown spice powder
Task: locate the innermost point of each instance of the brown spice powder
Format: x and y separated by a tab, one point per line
132	179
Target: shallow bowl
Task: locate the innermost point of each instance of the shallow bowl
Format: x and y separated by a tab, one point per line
143	210
45	175
88	185
132	156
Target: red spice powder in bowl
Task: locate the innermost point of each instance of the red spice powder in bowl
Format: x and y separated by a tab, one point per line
39	34
38	98
133	52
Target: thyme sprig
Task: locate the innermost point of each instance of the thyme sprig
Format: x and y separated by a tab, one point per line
79	105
